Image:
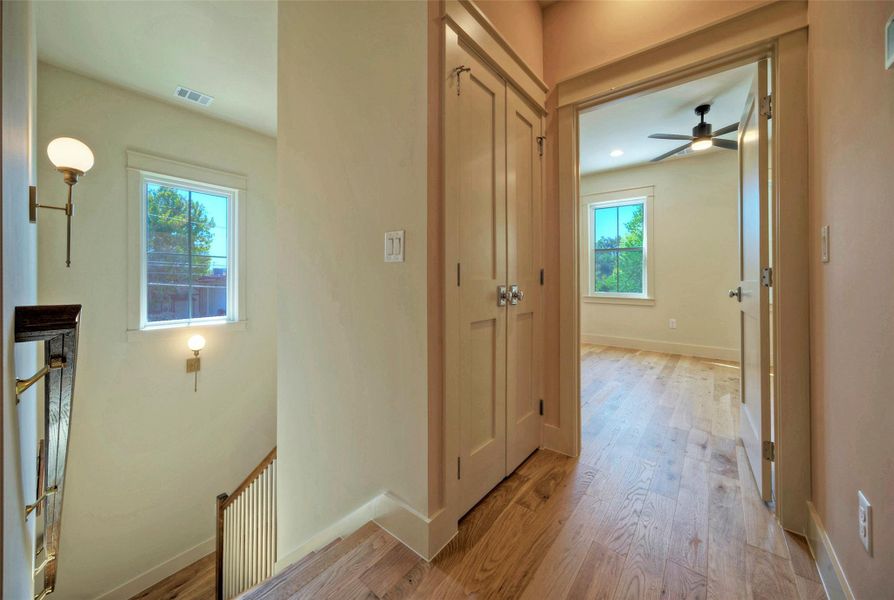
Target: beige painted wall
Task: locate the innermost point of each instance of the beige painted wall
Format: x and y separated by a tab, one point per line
578	36
353	387
19	258
852	319
148	456
695	246
521	23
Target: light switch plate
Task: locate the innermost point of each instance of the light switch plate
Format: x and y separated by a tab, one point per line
394	246
824	243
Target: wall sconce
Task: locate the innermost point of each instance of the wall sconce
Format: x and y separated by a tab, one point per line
72	158
194	365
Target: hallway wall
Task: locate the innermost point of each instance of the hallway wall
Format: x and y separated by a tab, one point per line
852	313
579	36
695	249
521	23
148	455
352	349
19	288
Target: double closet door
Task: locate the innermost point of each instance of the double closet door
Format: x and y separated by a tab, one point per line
493	213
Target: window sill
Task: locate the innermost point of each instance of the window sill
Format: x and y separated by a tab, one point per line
633	300
167	331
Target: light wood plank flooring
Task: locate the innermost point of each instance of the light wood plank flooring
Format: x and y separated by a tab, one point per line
195	582
660	504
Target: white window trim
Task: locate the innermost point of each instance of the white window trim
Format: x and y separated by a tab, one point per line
644	195
142	167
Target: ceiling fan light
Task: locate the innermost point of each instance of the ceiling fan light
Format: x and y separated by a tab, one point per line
702	144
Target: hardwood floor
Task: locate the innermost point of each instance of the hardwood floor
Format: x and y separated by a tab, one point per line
660	504
195	582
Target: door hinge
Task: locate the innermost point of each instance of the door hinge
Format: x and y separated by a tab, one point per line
459	467
767	276
541	276
457	275
540	141
541	407
767	106
770	451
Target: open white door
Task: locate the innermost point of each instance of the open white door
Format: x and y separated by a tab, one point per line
753	291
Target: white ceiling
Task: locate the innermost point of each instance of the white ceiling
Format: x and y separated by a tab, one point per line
223	48
626	124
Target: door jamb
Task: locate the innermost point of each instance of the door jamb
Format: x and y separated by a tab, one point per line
787	51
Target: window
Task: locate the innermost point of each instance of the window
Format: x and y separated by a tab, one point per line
617	250
618	243
186	253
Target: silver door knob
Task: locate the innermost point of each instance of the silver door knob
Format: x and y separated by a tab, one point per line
515	295
736	293
502	295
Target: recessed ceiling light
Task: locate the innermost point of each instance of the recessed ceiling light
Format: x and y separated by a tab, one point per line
616	153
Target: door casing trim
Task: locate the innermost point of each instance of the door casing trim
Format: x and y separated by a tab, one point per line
777	31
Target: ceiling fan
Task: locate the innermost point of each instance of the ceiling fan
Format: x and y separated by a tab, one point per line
701	139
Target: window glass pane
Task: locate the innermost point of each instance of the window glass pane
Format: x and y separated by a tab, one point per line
630	272
209	298
605	227
630	218
187	243
606	276
209	224
209	261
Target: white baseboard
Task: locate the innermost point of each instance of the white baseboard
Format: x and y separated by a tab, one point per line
424	535
716	352
344	527
149	578
834	579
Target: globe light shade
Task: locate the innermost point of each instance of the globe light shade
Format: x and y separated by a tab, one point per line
69	153
196	343
702	144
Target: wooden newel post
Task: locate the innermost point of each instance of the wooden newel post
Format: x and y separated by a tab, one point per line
218	558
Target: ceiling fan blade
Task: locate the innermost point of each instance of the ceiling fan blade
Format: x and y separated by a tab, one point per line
728	144
727	129
670	136
671	153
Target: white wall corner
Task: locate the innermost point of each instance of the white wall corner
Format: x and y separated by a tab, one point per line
423	535
831	572
147	579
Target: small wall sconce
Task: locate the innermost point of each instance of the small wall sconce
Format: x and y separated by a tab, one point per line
73	158
194	365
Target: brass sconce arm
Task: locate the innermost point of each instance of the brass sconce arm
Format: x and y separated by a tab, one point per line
71	177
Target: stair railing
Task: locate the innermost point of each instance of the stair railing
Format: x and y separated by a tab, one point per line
57	328
246	531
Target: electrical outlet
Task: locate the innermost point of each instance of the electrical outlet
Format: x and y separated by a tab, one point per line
672	324
864	516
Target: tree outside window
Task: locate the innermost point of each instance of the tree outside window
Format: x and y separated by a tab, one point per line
618	247
186	253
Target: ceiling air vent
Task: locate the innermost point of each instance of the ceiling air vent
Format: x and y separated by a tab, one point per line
193	96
